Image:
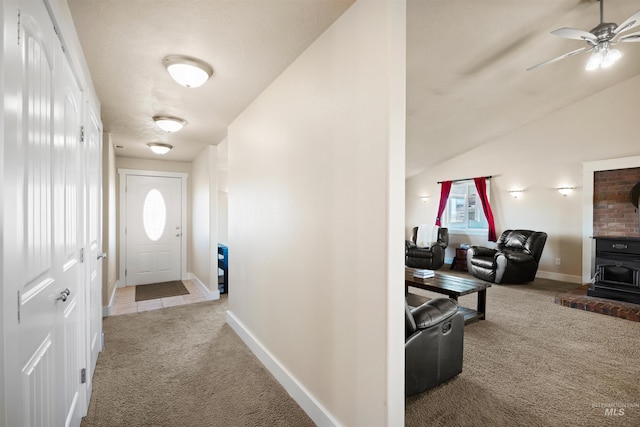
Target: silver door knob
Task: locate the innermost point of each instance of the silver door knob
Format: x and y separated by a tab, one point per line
63	295
102	255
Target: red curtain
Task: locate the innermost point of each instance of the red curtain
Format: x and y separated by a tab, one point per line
481	185
444	196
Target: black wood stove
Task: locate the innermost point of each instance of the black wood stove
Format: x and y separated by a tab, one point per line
617	269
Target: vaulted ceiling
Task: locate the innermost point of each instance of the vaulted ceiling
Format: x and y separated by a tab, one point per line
466	65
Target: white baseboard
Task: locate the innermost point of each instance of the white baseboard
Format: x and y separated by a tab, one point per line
209	295
318	414
106	310
559	276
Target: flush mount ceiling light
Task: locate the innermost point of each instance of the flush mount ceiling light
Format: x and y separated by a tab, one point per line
160	148
189	72
168	123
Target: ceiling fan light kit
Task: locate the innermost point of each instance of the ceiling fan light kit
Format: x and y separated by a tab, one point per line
168	123
187	71
159	147
600	40
603	58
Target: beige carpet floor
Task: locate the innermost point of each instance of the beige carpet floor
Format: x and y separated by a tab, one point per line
535	363
184	367
531	363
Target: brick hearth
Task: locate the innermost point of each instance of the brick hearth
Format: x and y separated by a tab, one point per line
578	299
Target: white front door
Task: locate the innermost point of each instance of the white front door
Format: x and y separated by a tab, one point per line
153	229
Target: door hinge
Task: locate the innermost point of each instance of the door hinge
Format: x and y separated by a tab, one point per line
81	133
83	375
125	271
82	256
18	307
18	27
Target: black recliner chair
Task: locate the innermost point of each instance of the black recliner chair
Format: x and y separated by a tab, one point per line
434	333
514	260
430	258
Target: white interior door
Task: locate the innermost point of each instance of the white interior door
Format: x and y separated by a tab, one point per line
153	229
36	272
42	226
94	256
68	226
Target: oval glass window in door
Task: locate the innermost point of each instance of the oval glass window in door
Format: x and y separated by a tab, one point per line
154	214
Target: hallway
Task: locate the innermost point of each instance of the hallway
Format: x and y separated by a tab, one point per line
125	302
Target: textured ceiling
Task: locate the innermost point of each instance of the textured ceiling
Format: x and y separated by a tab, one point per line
466	65
247	42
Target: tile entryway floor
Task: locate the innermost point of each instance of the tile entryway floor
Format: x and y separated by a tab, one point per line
125	302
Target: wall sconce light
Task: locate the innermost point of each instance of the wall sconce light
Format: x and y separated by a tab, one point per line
168	123
516	194
160	148
565	191
187	71
424	199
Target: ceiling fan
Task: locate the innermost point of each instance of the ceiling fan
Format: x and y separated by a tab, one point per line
599	40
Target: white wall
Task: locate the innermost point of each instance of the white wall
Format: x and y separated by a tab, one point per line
109	216
316	171
538	158
204	190
152	165
223	192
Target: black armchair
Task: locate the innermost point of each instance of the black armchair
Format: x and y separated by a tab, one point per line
514	260
430	258
434	334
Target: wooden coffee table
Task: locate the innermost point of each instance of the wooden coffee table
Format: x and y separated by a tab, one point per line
453	287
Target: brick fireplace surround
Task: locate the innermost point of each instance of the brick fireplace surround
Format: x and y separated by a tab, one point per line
578	299
613	215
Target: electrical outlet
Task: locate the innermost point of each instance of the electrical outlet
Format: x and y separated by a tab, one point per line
558	261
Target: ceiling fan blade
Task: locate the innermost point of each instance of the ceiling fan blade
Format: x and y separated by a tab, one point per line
633	37
566	55
631	22
571	33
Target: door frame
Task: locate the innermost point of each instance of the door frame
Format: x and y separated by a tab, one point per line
122	246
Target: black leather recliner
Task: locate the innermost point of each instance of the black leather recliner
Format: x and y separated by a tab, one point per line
434	333
430	258
514	260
